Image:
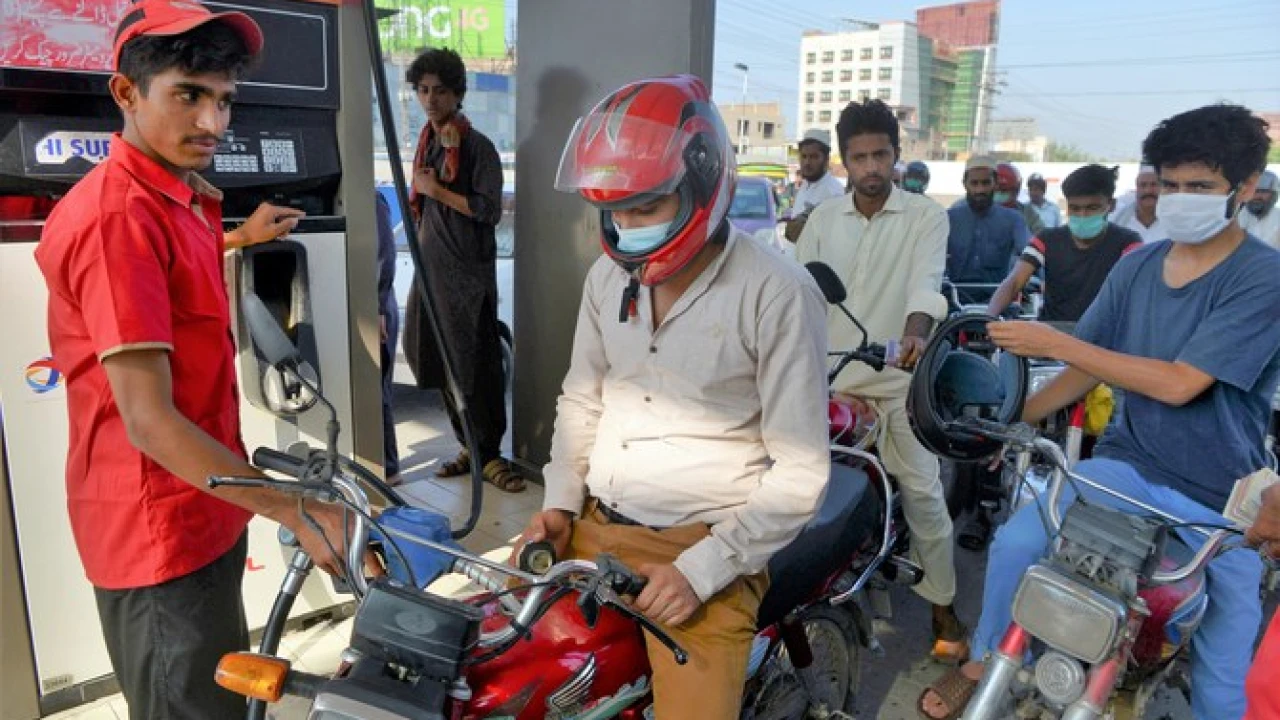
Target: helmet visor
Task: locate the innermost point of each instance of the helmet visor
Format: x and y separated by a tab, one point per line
616	153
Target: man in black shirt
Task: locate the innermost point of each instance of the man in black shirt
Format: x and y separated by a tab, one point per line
1077	256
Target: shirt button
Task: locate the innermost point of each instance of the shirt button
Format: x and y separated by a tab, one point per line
653	348
648	399
624	446
613	505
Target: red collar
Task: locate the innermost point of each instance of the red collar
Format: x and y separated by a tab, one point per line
155	176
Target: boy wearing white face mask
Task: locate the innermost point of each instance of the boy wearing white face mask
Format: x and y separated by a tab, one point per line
1189	328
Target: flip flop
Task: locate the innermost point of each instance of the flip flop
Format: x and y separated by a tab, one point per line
954	689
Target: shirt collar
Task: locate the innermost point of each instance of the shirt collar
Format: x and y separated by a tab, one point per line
896	203
155	176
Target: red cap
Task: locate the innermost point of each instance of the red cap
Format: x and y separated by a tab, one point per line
174	17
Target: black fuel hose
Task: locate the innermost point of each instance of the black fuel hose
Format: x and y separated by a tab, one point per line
419	264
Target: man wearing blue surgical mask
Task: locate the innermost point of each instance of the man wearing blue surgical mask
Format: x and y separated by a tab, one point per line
1076	257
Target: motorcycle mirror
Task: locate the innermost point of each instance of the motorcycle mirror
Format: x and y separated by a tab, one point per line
833	290
830	285
266	333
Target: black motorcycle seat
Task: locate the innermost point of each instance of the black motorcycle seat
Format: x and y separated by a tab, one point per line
850	514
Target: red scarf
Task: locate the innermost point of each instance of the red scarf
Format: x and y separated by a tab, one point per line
451	137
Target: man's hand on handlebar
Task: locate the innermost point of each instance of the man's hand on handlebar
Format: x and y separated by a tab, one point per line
1028	339
668	598
910	348
553	526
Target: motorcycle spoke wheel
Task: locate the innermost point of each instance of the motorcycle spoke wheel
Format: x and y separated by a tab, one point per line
830	685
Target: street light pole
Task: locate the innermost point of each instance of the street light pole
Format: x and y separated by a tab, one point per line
742	121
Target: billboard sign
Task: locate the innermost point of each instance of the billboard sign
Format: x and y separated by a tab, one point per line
58	34
472	28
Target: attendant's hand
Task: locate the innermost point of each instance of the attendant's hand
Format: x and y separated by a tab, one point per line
269	222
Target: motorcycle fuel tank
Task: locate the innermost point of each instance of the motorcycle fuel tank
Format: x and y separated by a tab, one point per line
1175	612
563	668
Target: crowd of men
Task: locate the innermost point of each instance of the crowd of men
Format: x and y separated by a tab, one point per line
681	313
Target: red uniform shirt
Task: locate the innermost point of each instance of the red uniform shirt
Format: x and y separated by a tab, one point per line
133	259
1261	687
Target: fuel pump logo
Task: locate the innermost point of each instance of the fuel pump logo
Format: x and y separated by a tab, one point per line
57	148
43	377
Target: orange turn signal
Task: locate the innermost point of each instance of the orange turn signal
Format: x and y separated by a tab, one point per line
260	677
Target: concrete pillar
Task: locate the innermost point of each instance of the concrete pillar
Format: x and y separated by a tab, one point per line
355	141
573	52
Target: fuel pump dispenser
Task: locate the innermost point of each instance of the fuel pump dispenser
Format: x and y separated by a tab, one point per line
56	121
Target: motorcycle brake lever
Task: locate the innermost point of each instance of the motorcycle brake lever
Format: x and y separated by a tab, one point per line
589	602
607	596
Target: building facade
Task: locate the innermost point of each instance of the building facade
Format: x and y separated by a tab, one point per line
876	61
756	128
961	79
966	24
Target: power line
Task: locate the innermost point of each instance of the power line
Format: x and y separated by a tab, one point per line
1132	93
1132	61
1189	15
1198	30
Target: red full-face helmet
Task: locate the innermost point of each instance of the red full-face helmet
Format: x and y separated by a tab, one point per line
648	139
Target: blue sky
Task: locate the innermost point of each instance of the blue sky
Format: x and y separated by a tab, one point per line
1174	55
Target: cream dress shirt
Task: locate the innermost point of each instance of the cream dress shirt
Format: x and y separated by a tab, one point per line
718	416
891	265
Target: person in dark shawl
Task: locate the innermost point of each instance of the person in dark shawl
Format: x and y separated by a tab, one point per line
457	202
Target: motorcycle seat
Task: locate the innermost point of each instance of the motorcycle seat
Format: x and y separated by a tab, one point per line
849	516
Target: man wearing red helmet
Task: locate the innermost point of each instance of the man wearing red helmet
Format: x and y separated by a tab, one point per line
1008	187
690	436
139	321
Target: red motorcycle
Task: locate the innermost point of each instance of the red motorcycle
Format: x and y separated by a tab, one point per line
1105	618
564	643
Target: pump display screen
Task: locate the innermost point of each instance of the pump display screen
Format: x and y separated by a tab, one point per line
266	152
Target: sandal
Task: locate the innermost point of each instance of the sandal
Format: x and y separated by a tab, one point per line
500	474
950	652
460	465
954	690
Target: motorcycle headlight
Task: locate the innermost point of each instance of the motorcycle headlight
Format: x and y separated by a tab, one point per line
1068	615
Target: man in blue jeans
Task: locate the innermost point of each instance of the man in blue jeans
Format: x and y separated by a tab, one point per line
1189	328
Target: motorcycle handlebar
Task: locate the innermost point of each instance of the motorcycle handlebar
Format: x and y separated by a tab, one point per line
873	355
1024	437
1207	552
276	461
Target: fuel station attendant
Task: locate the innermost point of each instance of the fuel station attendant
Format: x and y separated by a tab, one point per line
139	322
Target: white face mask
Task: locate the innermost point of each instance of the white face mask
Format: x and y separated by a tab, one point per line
1193	218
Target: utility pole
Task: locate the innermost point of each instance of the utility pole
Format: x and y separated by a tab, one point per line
742	121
